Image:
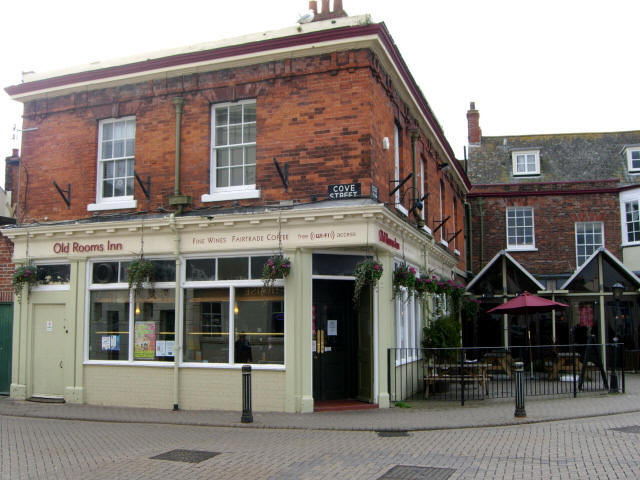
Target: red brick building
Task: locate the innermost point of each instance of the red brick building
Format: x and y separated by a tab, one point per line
208	160
562	207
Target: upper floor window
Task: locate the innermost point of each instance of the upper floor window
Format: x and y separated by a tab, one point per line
589	237
116	149
520	228
233	151
396	168
526	162
633	158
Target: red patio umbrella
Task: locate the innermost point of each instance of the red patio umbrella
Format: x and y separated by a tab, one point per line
527	303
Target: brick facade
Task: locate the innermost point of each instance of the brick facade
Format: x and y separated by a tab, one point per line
325	116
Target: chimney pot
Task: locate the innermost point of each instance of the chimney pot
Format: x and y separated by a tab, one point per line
337	6
313	5
472	106
325	7
15	152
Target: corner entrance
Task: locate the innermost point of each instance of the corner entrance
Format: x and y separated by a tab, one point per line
342	342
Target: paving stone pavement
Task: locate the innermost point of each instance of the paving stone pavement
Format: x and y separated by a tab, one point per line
427	415
38	448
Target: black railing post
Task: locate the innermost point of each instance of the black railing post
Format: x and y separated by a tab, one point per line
519	368
462	377
247	416
389	372
613	379
622	367
573	368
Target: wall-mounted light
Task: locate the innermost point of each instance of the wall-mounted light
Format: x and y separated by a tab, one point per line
236	309
137	309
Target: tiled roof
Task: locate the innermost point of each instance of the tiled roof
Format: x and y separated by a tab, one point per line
563	157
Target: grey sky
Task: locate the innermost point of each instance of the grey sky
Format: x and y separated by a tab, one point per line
531	66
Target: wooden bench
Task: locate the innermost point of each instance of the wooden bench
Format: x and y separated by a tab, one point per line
474	373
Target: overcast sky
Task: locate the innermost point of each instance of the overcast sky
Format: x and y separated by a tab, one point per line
531	66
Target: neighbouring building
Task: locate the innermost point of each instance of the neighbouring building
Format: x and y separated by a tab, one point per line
207	161
558	215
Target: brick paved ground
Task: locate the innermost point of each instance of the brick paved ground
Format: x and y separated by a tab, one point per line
34	448
85	442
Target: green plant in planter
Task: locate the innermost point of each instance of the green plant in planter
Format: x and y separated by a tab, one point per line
424	285
443	332
367	272
139	272
276	267
24	275
404	276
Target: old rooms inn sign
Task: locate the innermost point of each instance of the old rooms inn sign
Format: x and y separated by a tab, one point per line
347	190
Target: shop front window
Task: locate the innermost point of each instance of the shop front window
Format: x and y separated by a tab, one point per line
131	326
206	325
259	326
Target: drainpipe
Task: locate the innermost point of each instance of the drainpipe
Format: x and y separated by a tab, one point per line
178	199
177	348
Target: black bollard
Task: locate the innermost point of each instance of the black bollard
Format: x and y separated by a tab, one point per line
247	416
519	368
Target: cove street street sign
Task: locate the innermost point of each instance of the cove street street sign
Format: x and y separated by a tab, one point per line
347	190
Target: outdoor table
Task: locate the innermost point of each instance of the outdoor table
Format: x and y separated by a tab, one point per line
499	362
473	372
566	362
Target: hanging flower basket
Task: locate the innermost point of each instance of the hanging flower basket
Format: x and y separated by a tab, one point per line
24	275
276	267
404	276
139	272
424	285
367	272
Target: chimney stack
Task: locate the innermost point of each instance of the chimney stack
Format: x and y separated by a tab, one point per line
473	125
326	13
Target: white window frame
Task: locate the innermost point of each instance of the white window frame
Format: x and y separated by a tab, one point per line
396	167
424	202
524	246
514	161
237	192
43	288
408	325
627	197
595	246
630	151
111	203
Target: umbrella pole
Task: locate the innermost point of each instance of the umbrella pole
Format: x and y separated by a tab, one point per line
530	351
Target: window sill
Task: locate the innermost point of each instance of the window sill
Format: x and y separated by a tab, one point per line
427	229
444	242
630	244
112	205
402	210
50	288
523	249
456	252
233	195
528	174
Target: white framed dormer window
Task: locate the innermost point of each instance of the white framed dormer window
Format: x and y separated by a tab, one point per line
526	162
520	228
633	158
233	152
116	151
589	237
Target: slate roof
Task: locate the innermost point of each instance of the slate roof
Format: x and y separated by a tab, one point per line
563	157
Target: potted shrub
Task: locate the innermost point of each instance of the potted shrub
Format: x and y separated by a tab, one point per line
276	267
367	272
404	276
24	275
139	272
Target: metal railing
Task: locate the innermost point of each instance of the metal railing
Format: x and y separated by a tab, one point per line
475	373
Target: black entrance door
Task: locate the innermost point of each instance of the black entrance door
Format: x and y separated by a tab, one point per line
335	340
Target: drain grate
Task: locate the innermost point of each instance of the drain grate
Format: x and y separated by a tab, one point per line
629	429
190	456
394	433
406	472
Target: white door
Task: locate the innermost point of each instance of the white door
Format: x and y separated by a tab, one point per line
48	350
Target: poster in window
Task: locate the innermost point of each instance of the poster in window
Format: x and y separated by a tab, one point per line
145	341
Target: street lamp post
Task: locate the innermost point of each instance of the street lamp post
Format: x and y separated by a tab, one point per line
617	289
